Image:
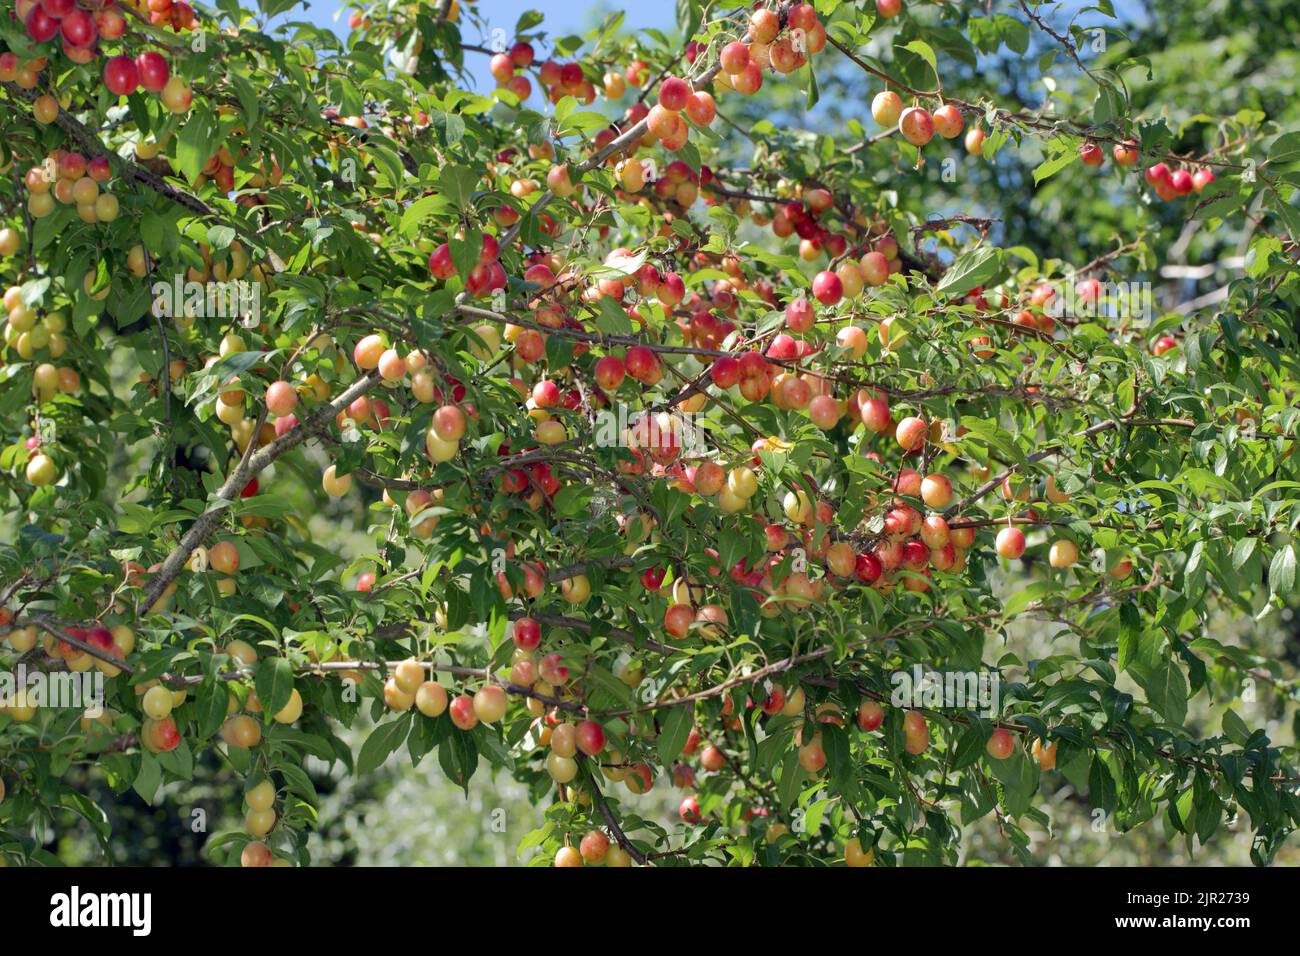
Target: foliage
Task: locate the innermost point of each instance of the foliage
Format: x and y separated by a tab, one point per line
473	378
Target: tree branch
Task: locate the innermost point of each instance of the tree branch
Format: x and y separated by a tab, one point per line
248	468
611	821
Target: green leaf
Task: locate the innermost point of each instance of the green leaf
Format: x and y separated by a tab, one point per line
426	207
212	701
1285	149
1019	778
457	184
835	743
1026	596
924	51
1194	571
1054	164
972	268
383	741
1015	34
1234	728
1289	213
458	758
220	237
791	781
148	779
274	684
449	127
1101	785
611	318
674	732
194	144
1166	689
1209	809
970	747
1130	634
1281	573
688	16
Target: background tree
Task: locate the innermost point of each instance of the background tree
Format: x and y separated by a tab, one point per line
639	423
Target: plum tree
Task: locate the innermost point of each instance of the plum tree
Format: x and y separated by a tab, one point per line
546	426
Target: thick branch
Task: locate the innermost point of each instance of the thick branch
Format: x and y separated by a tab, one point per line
611	821
248	468
91	146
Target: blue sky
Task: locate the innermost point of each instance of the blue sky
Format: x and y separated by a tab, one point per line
569	16
565	14
562	16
